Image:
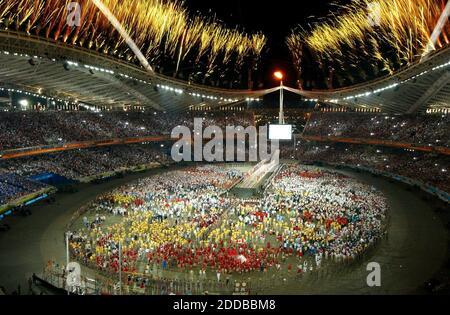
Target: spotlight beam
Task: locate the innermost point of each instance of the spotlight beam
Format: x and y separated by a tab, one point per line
437	31
118	26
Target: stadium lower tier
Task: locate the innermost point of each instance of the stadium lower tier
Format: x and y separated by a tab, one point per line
79	164
13	187
427	168
23	176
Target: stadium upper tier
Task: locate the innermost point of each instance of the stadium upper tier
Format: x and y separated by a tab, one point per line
77	75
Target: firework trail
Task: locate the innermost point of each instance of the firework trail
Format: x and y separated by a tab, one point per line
124	34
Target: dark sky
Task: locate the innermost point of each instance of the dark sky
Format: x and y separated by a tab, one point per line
275	18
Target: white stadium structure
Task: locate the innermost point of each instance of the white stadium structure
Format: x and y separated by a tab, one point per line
79	76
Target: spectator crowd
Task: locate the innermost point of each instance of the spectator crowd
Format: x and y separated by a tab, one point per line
416	129
429	168
78	164
31	129
13	187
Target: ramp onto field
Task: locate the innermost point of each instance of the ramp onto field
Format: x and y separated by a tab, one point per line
255	179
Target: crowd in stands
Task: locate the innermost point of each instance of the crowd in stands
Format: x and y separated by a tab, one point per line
183	222
416	129
30	129
13	187
428	168
77	164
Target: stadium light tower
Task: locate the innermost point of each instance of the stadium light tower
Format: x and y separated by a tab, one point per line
279	76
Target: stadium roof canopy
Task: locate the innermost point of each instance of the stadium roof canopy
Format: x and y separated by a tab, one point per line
79	75
423	85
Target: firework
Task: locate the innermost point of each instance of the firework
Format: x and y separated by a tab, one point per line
396	33
161	29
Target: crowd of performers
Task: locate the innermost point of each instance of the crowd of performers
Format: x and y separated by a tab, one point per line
183	221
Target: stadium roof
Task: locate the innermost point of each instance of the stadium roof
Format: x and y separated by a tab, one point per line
74	74
79	75
423	85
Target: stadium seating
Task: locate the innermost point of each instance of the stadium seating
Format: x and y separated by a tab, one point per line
417	129
30	129
429	168
77	164
13	187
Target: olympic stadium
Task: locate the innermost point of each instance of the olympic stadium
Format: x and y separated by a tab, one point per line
119	175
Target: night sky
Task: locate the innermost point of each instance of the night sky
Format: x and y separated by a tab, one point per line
275	19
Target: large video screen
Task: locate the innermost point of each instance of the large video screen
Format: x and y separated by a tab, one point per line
280	132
